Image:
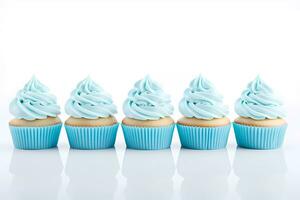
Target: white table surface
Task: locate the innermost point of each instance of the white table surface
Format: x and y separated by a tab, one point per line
232	173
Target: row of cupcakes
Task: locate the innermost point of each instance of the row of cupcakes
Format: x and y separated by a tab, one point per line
148	124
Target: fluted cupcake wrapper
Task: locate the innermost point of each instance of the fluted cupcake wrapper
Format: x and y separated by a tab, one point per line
203	138
34	138
89	138
148	138
259	137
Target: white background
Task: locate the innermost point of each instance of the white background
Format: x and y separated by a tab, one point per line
119	42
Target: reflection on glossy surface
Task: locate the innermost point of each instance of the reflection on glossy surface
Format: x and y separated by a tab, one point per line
261	174
36	174
205	174
256	175
149	174
92	174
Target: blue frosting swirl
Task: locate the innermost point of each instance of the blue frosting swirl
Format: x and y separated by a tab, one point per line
259	102
147	101
34	102
90	101
202	101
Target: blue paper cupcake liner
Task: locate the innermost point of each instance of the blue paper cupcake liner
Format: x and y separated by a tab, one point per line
148	138
203	138
90	138
34	138
252	137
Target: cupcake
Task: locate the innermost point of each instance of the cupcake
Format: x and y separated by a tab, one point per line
36	125
91	124
148	125
204	124
261	124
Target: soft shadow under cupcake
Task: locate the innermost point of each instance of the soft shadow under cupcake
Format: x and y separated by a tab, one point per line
261	174
205	174
149	174
36	175
92	174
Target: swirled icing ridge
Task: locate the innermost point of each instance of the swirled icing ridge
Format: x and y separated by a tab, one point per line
259	102
147	101
88	100
34	102
202	101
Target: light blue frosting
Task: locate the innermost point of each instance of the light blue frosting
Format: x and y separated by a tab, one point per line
34	102
147	101
259	102
90	101
202	101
